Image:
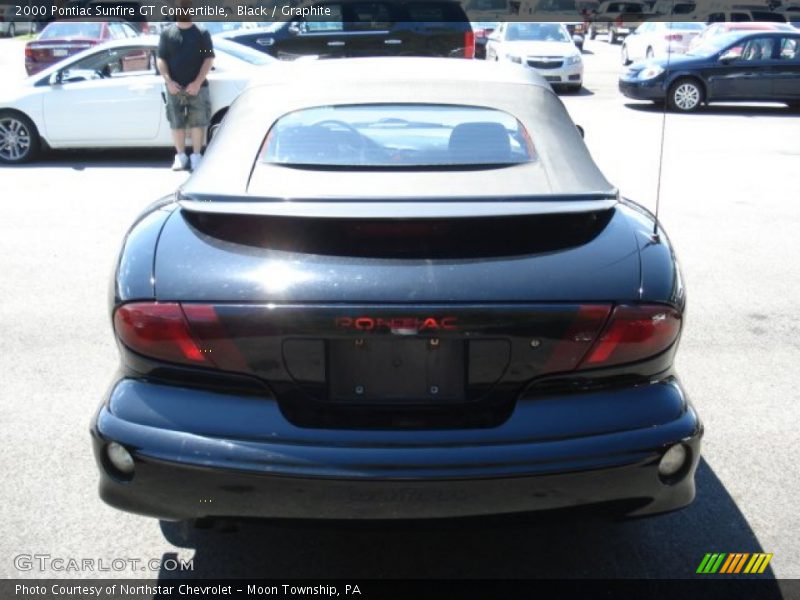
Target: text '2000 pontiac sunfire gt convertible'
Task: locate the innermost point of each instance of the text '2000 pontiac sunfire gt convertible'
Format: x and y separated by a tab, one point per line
396	288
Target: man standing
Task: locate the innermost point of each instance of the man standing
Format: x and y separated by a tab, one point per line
185	56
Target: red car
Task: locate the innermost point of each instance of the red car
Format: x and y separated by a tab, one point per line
61	39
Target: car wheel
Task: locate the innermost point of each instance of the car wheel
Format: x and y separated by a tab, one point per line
685	95
216	123
19	140
649	54
625	58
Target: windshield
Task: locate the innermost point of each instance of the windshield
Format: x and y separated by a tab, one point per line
397	135
714	44
539	32
76	29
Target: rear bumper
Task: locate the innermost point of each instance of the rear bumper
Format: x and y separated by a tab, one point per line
203	454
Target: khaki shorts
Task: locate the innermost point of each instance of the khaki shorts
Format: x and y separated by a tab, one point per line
185	111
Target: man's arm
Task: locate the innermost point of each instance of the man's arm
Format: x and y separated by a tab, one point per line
172	87
194	88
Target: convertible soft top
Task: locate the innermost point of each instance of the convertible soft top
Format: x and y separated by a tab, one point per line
562	171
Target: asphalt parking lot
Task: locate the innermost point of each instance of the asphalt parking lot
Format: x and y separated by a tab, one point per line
729	201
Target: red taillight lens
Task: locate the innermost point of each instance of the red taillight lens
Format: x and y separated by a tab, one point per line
673	37
469	44
634	333
159	331
28	52
577	339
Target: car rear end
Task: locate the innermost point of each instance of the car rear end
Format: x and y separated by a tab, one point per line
60	40
482	30
677	38
435	28
361	352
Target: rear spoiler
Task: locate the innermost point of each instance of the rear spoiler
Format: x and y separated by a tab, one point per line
417	208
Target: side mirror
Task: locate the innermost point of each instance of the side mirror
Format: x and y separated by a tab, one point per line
729	57
294	28
55	78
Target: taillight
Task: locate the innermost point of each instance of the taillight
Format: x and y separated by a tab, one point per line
576	340
189	334
634	333
673	37
469	44
28	52
159	330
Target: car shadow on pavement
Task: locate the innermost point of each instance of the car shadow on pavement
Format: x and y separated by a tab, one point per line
117	158
562	544
581	92
726	110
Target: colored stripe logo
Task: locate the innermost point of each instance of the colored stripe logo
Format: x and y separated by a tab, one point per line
737	562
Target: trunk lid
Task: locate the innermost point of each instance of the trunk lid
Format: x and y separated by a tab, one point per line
506	257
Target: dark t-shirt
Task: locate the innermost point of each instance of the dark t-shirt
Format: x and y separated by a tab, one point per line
184	50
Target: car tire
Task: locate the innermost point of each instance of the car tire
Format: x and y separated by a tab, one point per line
19	138
624	53
685	95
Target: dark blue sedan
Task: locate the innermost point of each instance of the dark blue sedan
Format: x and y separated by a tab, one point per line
762	66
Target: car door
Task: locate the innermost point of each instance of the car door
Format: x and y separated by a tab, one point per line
786	69
743	71
106	98
368	30
322	35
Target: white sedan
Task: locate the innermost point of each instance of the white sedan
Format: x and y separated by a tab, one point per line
546	47
659	39
109	96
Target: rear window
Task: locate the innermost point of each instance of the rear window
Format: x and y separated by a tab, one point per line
76	29
397	135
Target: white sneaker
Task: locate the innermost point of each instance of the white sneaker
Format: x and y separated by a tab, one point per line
181	162
195	159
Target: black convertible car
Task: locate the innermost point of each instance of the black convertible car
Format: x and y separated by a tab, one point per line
396	288
762	66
